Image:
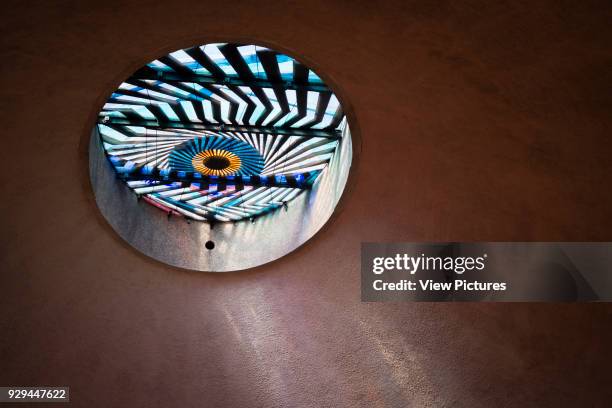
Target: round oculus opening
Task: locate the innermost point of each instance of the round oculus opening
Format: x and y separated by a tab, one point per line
228	172
216	162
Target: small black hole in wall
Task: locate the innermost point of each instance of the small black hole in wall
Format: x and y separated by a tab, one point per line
209	245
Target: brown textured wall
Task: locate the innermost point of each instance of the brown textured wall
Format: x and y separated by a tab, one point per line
479	120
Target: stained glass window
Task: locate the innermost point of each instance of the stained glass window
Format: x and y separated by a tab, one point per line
221	132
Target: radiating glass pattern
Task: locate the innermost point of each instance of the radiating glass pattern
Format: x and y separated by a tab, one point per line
221	132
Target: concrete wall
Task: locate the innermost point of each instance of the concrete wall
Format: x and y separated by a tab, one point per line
239	245
479	120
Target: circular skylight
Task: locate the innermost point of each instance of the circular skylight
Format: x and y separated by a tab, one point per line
223	133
